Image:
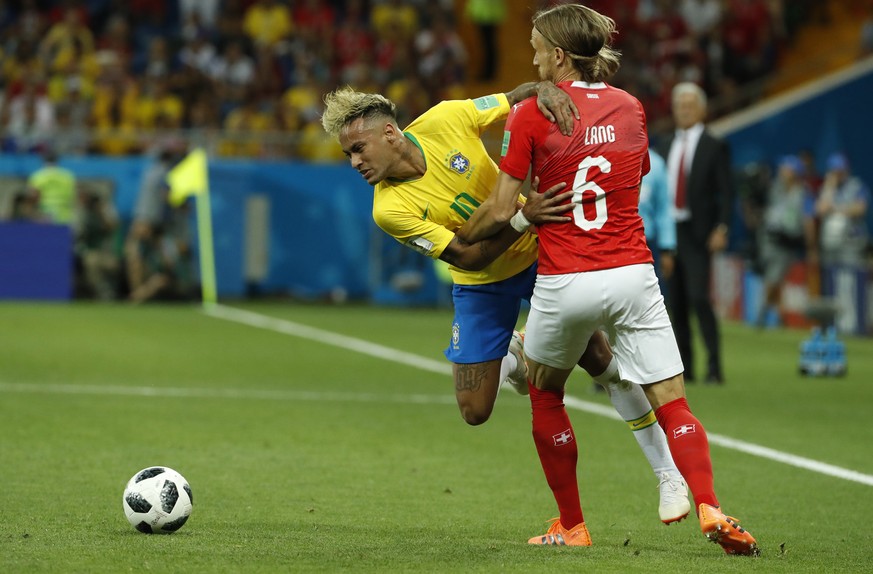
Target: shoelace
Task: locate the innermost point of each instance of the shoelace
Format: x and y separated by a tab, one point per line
666	478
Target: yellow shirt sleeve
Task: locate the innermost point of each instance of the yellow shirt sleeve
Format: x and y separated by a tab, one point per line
426	237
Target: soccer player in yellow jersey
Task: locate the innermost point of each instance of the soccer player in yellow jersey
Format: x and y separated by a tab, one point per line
428	179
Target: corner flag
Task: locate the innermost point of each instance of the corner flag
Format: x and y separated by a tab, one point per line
190	178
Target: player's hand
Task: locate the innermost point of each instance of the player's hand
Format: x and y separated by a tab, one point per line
557	106
548	207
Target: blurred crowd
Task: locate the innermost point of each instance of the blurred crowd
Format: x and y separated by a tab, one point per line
793	213
247	77
113	75
149	259
725	46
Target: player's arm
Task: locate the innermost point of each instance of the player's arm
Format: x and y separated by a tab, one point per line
438	242
553	102
501	209
476	256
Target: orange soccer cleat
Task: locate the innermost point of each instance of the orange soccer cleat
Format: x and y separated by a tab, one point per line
726	531
557	535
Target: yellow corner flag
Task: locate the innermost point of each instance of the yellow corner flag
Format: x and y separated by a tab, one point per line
190	178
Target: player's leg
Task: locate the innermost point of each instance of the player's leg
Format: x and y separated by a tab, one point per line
690	447
559	327
685	435
631	404
476	386
643	332
485	316
556	446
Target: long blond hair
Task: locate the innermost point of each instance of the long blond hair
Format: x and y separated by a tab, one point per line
345	105
585	36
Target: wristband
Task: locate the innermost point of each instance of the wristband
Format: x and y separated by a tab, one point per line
519	222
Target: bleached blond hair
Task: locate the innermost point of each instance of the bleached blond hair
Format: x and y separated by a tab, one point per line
345	105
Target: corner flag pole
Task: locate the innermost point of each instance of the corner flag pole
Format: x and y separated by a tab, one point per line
191	177
207	255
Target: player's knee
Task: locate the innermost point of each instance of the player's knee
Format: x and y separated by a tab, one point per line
475	415
596	357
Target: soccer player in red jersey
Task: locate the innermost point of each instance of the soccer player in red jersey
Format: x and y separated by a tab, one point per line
595	270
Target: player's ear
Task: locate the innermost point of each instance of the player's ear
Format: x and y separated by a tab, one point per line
390	131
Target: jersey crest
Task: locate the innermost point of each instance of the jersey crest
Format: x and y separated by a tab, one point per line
457	162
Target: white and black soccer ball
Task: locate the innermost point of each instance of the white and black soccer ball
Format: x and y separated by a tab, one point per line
157	500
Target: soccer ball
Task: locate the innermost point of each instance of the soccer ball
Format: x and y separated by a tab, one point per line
157	500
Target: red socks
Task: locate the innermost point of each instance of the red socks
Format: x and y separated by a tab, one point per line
690	449
556	445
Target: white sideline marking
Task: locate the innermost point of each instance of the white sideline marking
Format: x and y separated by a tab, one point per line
424	399
211	393
328	338
742	446
387	353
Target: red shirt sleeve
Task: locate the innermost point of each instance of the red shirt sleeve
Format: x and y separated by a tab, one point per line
518	144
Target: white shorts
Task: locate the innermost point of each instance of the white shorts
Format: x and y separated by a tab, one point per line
625	302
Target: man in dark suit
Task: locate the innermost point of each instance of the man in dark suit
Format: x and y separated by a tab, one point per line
699	176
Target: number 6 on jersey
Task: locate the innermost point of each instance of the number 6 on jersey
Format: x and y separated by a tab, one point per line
581	186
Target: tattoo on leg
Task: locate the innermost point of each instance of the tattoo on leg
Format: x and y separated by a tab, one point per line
470	377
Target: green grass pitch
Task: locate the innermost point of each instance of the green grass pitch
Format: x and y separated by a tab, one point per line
303	456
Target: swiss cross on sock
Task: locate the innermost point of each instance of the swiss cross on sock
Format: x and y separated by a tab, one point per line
562	438
684	430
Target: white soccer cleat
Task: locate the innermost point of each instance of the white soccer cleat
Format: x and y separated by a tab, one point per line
674	504
517	379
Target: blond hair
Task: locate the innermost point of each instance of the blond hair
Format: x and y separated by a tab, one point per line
585	36
345	105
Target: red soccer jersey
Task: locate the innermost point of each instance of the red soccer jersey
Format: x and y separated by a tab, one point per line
603	162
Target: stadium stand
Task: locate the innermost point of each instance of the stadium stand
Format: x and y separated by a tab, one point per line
117	72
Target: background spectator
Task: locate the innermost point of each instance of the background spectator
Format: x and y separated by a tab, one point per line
267	23
30	116
842	206
233	73
699	172
656	210
97	263
157	243
440	54
55	186
487	15
786	232
394	17
204	12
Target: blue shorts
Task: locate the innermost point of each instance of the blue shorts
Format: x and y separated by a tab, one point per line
485	316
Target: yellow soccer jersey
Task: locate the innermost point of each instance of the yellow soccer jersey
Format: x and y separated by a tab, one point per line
425	213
